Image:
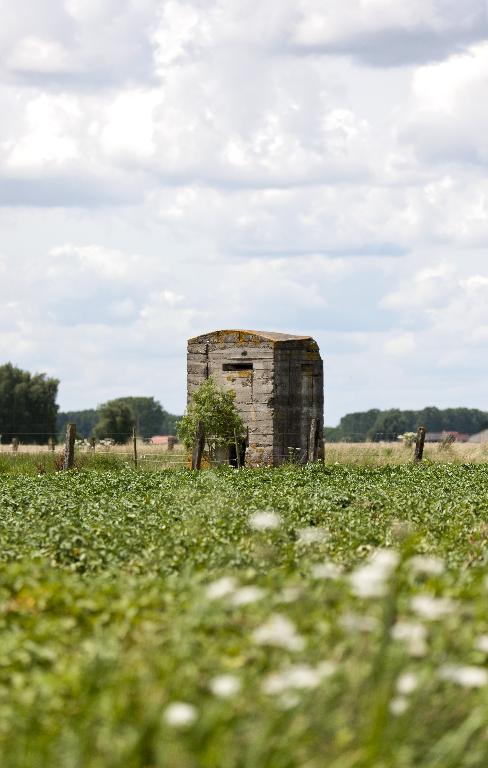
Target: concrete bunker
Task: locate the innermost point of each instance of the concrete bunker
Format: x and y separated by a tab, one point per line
279	385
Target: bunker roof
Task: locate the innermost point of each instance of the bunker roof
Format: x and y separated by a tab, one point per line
265	335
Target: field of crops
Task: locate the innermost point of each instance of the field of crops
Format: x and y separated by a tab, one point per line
303	617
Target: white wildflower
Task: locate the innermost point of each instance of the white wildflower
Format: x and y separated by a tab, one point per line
326	669
246	595
354	622
225	686
482	643
432	608
413	634
179	714
430	566
385	559
326	570
312	535
264	521
407	683
289	700
398	705
221	588
289	594
278	630
466	676
371	579
297	677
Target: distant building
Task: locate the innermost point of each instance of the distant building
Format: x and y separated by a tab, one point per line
279	387
480	437
433	437
163	440
438	437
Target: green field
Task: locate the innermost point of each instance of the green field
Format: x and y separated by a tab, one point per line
302	617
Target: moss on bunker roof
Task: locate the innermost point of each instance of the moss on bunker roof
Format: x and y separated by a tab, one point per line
240	332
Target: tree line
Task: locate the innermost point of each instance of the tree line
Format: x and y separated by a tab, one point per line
117	418
28	410
387	425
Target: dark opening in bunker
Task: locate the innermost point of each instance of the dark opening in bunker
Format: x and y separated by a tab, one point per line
241	444
237	367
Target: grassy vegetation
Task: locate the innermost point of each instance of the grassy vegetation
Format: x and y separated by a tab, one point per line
382	454
33	460
30	460
317	616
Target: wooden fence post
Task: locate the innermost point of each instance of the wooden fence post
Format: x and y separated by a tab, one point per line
198	446
312	441
15	444
69	446
51	444
419	444
134	444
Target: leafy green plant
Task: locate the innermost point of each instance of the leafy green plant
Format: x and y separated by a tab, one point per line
217	411
446	442
301	616
408	439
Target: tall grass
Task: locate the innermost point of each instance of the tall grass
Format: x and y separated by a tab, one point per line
381	454
34	460
38	460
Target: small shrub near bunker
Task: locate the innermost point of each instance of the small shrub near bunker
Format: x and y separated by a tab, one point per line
216	410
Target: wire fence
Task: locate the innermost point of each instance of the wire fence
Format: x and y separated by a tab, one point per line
139	450
134	449
167	453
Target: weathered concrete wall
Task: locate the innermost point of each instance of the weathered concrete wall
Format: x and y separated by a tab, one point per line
278	381
299	398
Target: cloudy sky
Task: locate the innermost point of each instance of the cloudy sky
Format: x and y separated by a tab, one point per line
169	167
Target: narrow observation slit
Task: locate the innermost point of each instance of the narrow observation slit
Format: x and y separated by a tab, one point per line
237	367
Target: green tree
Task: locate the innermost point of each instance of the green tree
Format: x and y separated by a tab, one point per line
28	406
217	410
85	422
149	416
332	435
355	427
386	425
468	420
390	424
115	420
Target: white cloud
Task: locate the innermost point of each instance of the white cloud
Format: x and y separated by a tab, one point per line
428	288
440	87
183	29
128	125
167	167
34	54
96	261
83	43
94	11
338	22
47	138
390	32
402	345
449	112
